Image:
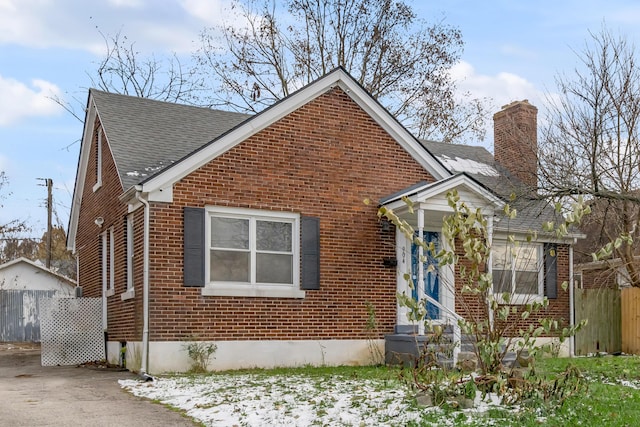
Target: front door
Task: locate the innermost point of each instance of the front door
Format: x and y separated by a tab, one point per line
431	283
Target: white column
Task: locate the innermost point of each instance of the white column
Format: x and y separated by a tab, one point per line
572	320
404	266
420	284
490	260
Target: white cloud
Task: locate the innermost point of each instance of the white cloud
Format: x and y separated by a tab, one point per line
77	24
207	11
19	100
501	88
127	3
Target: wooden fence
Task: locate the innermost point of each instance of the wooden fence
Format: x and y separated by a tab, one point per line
605	329
631	320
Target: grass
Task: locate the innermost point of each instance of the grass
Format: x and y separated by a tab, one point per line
611	398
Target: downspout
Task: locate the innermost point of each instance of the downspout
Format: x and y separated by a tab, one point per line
145	290
571	303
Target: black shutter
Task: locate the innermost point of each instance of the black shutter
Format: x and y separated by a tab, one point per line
310	252
551	270
194	247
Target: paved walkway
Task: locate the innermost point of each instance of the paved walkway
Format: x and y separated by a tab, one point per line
33	395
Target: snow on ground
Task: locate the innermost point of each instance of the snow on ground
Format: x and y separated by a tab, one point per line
294	400
230	400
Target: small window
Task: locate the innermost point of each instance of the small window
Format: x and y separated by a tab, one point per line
129	252
112	268
104	263
516	270
253	251
98	183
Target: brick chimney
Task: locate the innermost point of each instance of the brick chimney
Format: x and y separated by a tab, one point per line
515	141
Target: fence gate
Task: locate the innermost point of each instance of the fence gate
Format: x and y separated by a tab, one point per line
20	314
71	331
631	320
602	309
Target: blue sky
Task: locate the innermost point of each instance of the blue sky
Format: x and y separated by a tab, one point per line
513	50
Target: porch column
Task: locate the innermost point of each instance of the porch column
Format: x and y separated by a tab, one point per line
490	261
420	284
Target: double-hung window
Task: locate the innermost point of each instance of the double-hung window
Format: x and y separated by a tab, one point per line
98	160
253	253
129	253
518	270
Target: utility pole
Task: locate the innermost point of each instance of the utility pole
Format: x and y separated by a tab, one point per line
49	184
49	227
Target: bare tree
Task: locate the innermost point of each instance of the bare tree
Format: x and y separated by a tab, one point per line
126	70
591	146
11	245
401	60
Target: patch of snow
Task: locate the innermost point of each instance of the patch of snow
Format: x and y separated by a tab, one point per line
298	400
459	164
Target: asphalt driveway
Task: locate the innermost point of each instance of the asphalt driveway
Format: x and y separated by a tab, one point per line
33	395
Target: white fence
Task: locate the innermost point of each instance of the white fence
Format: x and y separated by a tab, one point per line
71	331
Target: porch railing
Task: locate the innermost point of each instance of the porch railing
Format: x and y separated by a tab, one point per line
453	318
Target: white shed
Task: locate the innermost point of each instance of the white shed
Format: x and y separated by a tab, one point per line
22	284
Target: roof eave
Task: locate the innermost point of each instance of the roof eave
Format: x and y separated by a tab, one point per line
337	78
78	190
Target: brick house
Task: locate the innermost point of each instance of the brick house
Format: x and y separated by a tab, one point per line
251	231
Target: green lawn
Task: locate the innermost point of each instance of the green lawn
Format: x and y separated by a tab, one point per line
611	398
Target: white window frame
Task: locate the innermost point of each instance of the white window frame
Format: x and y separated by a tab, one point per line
130	292
112	267
252	288
519	299
98	183
104	263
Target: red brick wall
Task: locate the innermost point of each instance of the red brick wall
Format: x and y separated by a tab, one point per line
470	306
322	160
104	203
515	141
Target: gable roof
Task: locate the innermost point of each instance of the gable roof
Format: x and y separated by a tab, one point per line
425	190
8	265
155	144
336	78
479	163
145	135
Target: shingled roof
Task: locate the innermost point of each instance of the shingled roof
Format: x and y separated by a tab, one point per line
145	135
478	162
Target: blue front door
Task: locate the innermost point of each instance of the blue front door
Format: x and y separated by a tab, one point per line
431	283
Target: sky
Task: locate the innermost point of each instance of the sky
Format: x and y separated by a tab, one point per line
514	50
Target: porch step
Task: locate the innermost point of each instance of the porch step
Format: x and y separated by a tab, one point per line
405	348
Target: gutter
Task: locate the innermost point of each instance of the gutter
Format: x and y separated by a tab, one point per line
145	292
